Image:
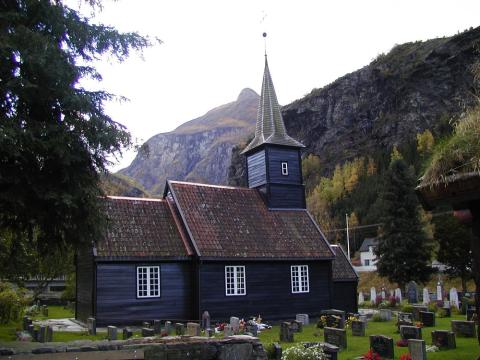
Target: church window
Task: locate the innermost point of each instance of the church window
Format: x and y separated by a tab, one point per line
148	281
300	282
235	280
284	168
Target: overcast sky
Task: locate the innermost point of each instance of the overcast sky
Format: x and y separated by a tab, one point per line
211	50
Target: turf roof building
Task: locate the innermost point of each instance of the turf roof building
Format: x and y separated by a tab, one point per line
228	250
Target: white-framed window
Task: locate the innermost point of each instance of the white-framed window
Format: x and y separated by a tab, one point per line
284	168
300	282
148	281
235	280
367	262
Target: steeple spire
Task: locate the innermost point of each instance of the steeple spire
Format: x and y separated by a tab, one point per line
270	128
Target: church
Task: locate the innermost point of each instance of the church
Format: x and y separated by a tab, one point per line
231	251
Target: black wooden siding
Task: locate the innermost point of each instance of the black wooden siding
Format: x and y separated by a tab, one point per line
276	156
117	301
85	280
345	296
286	196
256	169
268	290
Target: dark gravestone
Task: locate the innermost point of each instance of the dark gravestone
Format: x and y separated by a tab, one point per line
252	328
416	311
286	332
91	326
410	332
358	328
382	345
112	332
168	328
337	337
49	336
277	351
417	349
427	318
296	326
127	333
405	316
470	314
31	329
146	332
179	329
447	311
146	324
412	292
157	326
463	328
25	323
205	320
444	339
211	333
42	334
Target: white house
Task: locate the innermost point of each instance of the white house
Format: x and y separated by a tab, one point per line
367	255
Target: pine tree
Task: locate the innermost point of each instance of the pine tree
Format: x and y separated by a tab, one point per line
55	138
403	249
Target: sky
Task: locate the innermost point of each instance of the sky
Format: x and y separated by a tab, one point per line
212	49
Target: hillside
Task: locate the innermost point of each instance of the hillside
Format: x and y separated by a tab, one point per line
119	185
198	150
416	86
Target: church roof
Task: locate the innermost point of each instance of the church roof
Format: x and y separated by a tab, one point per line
140	228
270	128
229	222
342	268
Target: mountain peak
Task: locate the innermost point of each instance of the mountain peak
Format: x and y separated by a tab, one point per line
247	94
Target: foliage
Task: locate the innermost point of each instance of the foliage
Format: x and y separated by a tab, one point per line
371	355
432	307
55	137
406	356
377	318
406	307
11	303
403	252
454	241
402	343
425	142
300	352
70	287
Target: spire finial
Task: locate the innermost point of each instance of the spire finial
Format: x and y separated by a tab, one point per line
265	42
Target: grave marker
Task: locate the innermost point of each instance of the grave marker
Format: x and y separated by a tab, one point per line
42	334
147	332
304	318
92	326
386	314
227	330
168	327
427	318
412	292
382	345
286	332
454	298
358	328
410	332
444	339
49	335
426	297
205	320
398	294
464	328
157	326
361	299
193	329
416	311
179	329
417	349
127	333
335	318
470	314
111	332
296	326
235	324
373	295
334	336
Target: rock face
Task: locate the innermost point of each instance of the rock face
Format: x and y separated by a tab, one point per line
199	150
416	86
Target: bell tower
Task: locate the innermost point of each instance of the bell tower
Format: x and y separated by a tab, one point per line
274	165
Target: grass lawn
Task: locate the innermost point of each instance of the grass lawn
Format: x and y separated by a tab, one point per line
467	348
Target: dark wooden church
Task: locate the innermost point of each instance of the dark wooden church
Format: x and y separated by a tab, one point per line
229	250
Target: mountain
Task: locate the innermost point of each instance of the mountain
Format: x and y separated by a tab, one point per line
120	185
199	150
416	86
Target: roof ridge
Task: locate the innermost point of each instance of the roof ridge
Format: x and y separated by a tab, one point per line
210	185
133	198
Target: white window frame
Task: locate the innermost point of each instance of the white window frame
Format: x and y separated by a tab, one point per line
300	279
148	282
285	168
235	281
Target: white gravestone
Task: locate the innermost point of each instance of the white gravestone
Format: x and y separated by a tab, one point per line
454	298
360	298
426	296
398	294
373	295
439	291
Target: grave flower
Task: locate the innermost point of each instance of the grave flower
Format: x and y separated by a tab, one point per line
406	356
402	343
371	355
418	324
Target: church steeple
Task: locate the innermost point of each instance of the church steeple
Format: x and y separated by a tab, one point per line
270	128
273	157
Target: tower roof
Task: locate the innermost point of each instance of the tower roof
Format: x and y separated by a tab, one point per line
270	128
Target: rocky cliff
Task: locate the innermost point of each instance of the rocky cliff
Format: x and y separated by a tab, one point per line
199	150
416	86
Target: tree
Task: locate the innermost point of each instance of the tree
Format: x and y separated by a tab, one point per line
454	241
55	138
403	250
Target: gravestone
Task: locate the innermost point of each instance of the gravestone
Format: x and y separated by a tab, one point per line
111	332
296	326
335	318
439	291
398	294
168	327
211	332
92	326
193	329
31	329
228	330
286	332
205	320
416	311
25	323
179	329
277	351
147	332
42	334
382	345
410	332
304	318
373	295
412	292
470	314
157	326
454	298
334	336
45	310
35	334
235	324
427	318
463	328
426	297
127	333
417	349
361	299
386	314
384	295
358	328
404	316
252	328
444	339
49	336
146	324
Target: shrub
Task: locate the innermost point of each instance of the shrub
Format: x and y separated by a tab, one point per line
442	313
377	318
11	303
70	288
408	308
300	352
432	307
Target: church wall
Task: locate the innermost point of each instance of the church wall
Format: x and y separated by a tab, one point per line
268	290
345	296
256	169
117	301
277	155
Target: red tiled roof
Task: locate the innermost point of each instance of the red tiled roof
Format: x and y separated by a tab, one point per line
140	228
342	269
235	223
